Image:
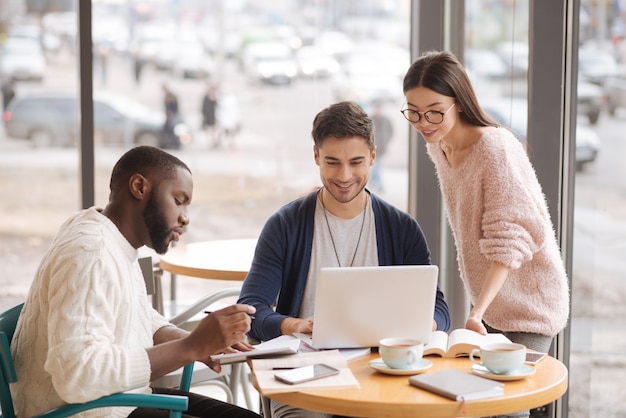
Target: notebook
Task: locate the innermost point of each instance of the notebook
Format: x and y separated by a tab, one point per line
457	385
359	306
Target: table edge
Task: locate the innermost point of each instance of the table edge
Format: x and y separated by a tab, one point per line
374	409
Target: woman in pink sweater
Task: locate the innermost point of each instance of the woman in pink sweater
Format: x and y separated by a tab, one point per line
508	256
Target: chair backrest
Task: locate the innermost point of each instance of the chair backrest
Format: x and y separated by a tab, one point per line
147	269
153	282
8	322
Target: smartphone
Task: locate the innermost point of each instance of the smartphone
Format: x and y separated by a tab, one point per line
534	357
305	374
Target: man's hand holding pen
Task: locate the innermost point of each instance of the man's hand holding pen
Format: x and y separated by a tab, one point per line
227	329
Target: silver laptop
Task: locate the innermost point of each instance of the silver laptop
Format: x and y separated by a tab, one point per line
358	306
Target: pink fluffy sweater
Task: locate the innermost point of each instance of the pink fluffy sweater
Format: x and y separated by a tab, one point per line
498	212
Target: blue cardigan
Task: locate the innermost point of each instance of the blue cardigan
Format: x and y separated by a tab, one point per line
283	253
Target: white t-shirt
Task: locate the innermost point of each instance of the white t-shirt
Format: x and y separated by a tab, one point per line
349	242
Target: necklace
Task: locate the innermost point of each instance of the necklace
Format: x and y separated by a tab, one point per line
332	239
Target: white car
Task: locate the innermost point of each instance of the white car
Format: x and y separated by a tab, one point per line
485	63
596	65
315	63
334	43
270	62
515	56
372	72
22	59
192	61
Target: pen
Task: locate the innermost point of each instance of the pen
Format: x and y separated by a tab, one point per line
210	312
282	368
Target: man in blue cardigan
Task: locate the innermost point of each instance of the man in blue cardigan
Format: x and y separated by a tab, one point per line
341	224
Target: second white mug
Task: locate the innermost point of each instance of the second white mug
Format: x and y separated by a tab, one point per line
500	358
401	353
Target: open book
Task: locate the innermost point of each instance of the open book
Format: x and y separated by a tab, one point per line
263	371
283	345
459	342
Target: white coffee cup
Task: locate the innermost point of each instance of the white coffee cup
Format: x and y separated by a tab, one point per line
401	353
500	358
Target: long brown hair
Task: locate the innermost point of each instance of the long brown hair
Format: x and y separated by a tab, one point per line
441	72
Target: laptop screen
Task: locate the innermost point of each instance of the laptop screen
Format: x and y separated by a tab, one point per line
358	306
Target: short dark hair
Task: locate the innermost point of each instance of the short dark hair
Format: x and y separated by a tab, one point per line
342	120
152	163
441	72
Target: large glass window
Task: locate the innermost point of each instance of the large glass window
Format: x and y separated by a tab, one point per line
242	81
496	59
269	67
598	327
39	176
496	55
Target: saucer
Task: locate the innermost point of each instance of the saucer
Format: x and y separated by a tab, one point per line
518	374
379	366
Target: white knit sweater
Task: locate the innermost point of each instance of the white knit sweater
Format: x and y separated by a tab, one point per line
86	323
497	212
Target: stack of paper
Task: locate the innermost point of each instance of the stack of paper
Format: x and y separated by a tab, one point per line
263	371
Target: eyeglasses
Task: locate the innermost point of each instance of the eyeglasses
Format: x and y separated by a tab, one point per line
432	116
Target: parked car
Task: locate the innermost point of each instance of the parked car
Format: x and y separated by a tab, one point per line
596	65
165	55
334	43
148	39
50	119
48	41
271	62
587	146
315	63
22	59
192	61
590	100
485	63
513	113
362	80
371	71
615	91
515	57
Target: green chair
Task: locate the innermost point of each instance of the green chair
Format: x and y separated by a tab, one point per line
8	322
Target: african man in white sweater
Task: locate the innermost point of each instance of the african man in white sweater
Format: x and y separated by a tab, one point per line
87	329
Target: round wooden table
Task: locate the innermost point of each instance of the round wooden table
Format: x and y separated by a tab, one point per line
228	259
382	395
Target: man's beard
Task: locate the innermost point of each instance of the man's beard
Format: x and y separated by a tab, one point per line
157	225
339	198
